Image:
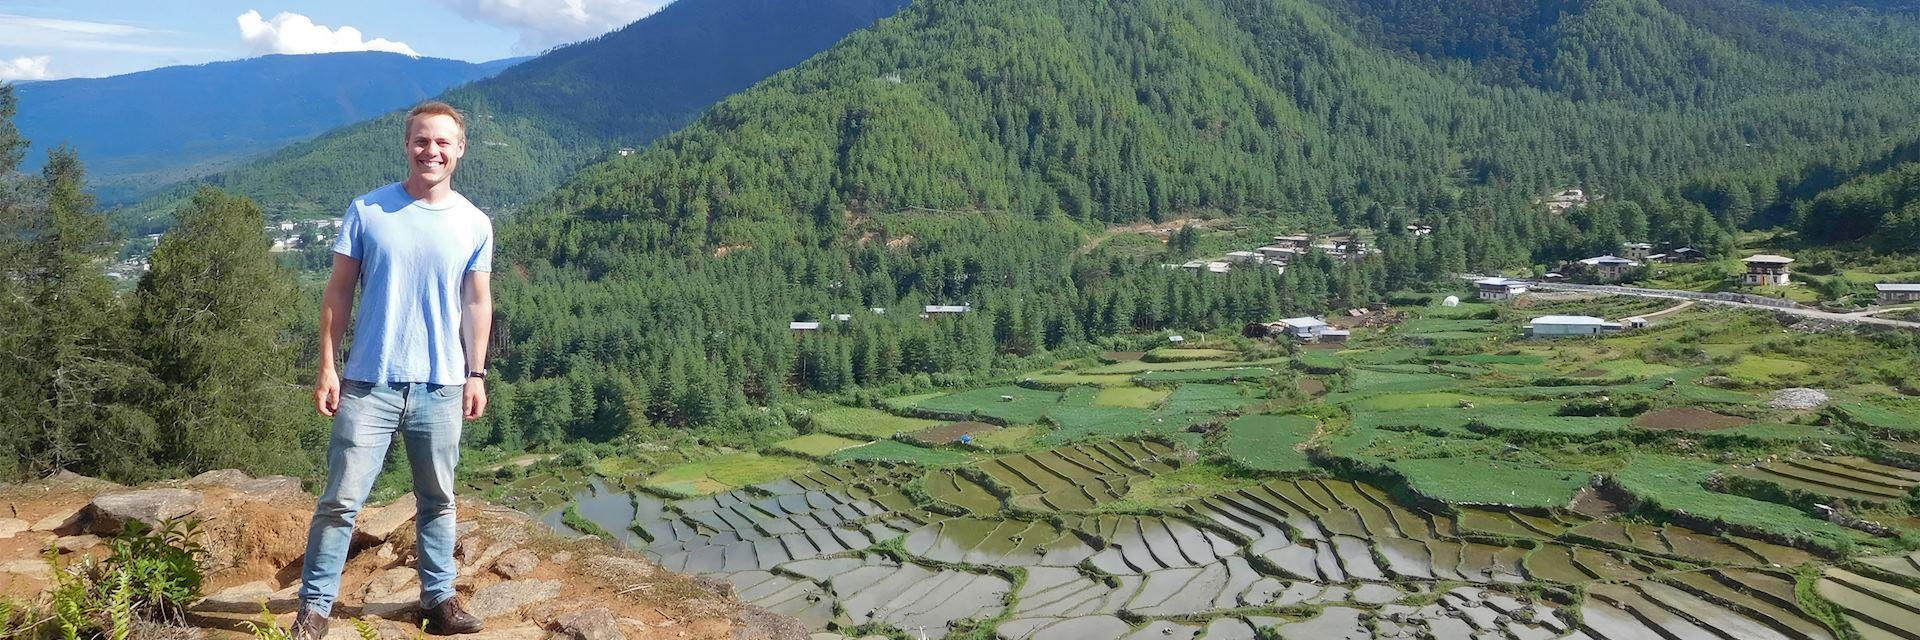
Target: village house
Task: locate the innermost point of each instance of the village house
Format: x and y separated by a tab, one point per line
1685	254
1277	253
1499	288
843	317
1555	326
1637	250
1564	200
1245	257
1304	329
1767	269
801	327
1610	268
1418	230
1219	267
1895	293
946	309
1295	242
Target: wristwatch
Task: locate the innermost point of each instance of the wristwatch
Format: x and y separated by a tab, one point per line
481	374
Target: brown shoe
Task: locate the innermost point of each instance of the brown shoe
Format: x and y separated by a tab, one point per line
308	625
449	618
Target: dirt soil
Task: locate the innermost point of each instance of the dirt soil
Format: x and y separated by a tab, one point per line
1123	356
951	432
1312	387
1689	419
255	541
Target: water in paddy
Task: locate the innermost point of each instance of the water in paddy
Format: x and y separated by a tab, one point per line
1331	553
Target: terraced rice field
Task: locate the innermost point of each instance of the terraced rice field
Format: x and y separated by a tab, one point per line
1855	480
1079	476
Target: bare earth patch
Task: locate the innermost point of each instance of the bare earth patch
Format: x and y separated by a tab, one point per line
1313	387
1122	356
951	432
1689	419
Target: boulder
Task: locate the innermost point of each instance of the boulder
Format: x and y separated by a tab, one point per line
35	568
502	598
11	526
228	478
246	598
109	513
516	564
376	525
591	624
65	521
75	544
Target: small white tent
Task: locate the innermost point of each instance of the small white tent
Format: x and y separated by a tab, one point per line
1451	301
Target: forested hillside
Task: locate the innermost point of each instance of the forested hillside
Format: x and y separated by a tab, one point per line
944	155
537	122
144	131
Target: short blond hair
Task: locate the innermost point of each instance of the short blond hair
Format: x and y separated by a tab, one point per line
438	108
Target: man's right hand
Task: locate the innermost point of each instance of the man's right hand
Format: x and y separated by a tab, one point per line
326	393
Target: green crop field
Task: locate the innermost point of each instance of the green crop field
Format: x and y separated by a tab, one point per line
1135	397
867	423
1169	354
1142	366
1880	417
896	451
731	471
1399	401
1677	484
1761	370
1026	406
1079	422
1426	326
1269	443
1320	359
1207	375
817	445
1492	482
1207	398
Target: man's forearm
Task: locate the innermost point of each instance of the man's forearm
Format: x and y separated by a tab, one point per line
334	309
474	330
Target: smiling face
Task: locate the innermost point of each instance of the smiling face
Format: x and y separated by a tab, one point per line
435	144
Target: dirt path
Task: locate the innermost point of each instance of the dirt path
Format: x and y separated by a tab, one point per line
1672	309
1163	230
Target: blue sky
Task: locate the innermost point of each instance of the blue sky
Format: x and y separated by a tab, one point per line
51	39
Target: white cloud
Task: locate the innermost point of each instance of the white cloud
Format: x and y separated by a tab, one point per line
295	33
545	23
30	33
24	68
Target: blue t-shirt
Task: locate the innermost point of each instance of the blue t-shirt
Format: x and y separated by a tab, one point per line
413	260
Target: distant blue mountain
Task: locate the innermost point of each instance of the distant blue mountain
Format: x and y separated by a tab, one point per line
142	131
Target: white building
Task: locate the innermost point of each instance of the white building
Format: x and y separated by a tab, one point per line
1276	253
1555	326
1499	288
803	326
1610	268
1637	250
1767	269
1219	267
1892	293
936	309
1245	257
1305	329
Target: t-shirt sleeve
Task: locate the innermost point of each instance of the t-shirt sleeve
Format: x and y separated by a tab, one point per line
482	259
347	243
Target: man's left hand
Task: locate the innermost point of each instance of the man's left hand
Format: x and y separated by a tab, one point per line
473	403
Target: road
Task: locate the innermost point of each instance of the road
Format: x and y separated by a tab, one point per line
1732	300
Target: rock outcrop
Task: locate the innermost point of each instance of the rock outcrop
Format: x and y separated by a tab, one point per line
523	579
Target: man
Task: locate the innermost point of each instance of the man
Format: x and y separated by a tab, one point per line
421	255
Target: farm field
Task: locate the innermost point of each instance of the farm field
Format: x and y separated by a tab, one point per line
1638	485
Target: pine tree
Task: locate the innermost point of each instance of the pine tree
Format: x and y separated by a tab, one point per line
208	319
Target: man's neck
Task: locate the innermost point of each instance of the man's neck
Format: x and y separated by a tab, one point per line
433	193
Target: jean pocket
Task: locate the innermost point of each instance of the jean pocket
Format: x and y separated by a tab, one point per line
446	391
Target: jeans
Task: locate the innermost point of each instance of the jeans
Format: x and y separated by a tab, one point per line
427	417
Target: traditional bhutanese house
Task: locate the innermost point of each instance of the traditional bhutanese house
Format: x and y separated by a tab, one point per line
1686	254
1499	288
1610	268
1193	265
1277	253
1554	326
1219	267
803	327
1245	257
1637	250
1767	269
1305	329
1334	335
1419	230
1893	293
878	311
1296	242
947	309
842	317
